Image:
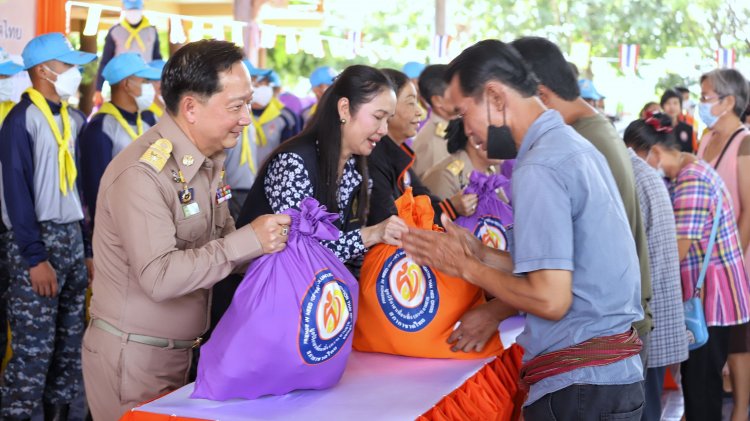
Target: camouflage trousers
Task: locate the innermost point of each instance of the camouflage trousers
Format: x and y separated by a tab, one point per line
5	239
47	332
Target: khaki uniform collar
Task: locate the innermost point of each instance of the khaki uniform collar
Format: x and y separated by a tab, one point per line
183	150
468	166
462	155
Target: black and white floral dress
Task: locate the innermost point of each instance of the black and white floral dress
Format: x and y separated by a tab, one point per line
287	183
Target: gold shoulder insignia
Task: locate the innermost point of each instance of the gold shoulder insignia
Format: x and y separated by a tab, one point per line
455	167
441	129
157	154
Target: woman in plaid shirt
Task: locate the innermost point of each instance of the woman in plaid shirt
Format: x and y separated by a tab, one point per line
695	188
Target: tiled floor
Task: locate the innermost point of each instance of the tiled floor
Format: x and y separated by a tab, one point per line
672	406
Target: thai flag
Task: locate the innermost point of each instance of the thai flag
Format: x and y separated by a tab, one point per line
355	38
725	58
441	44
629	57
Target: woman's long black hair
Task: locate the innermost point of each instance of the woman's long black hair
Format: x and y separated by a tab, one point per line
359	84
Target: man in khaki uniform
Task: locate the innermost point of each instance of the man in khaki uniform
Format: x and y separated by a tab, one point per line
164	236
451	175
430	143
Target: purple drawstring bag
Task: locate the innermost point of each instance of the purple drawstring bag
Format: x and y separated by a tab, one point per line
506	170
492	214
291	321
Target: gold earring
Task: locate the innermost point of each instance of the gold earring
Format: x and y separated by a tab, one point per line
343	121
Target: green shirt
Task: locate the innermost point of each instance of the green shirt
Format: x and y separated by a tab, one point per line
600	132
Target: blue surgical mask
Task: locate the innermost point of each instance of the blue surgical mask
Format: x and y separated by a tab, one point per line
660	171
704	110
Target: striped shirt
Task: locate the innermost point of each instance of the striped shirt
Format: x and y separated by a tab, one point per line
667	343
726	293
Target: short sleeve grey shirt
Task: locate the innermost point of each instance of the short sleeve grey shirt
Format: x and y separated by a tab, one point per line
568	215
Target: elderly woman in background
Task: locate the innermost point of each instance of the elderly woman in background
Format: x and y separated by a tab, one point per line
726	147
392	160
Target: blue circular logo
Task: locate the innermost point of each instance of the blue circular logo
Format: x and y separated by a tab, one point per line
407	293
327	317
492	232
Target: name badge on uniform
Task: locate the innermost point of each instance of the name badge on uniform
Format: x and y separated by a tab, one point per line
191	209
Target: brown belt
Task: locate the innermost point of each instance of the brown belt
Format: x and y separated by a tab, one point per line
144	339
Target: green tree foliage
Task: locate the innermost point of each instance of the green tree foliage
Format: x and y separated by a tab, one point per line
654	25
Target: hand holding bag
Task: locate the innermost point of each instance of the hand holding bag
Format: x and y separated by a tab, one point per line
411	310
291	320
492	215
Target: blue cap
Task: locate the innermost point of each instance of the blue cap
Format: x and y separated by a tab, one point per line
254	71
126	65
53	46
413	69
132	4
323	75
274	79
588	91
158	64
8	67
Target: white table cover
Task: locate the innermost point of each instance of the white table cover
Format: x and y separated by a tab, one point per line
374	387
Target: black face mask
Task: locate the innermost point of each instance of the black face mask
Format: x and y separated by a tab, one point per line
500	143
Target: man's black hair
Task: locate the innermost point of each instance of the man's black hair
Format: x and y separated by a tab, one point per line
195	69
491	60
549	65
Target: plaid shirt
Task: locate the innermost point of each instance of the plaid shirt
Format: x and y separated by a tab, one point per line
726	293
667	343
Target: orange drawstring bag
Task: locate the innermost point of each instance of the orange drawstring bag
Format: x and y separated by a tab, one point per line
411	310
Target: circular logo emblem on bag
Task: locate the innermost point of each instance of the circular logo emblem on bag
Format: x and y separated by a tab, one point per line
326	320
492	232
407	293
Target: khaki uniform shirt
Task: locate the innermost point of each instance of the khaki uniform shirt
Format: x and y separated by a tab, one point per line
430	145
451	175
155	262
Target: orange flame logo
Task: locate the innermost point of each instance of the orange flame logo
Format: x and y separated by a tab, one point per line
491	238
332	310
407	280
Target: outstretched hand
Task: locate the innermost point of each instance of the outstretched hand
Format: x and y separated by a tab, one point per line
448	252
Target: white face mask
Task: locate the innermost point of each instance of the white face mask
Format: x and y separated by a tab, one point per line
133	16
67	82
146	98
6	89
262	95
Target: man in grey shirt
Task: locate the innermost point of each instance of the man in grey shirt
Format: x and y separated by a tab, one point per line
571	249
